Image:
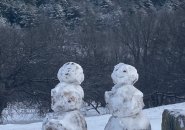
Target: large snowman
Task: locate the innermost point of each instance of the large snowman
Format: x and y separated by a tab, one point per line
125	102
67	98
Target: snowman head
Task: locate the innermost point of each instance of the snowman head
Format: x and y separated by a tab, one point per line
124	74
71	73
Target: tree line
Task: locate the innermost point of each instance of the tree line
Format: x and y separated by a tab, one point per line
30	57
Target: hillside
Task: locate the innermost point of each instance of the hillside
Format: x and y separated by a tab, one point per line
39	36
72	12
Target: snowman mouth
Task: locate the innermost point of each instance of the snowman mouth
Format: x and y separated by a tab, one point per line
121	76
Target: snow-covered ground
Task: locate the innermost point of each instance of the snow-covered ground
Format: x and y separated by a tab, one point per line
99	122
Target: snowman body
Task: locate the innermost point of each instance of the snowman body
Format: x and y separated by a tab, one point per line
67	98
125	102
135	122
72	120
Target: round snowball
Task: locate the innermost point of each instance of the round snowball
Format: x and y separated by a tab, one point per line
124	101
137	122
71	73
124	74
65	97
72	120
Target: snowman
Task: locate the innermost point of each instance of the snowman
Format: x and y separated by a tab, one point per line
66	100
125	102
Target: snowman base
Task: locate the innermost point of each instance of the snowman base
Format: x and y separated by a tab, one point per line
72	120
135	122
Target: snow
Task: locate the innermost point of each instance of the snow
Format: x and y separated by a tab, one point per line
66	100
20	112
125	102
181	123
66	97
71	72
99	122
179	114
135	122
124	99
68	94
72	120
125	74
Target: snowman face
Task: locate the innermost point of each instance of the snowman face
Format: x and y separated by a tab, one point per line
71	73
124	74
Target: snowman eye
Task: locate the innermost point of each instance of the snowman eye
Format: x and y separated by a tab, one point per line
124	71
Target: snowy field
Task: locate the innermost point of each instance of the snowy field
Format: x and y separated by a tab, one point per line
99	122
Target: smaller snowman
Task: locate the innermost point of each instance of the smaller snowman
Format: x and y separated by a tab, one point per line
125	102
67	98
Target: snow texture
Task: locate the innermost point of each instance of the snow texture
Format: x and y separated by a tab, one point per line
124	74
181	123
179	114
71	73
67	98
21	112
125	102
99	122
72	120
136	122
